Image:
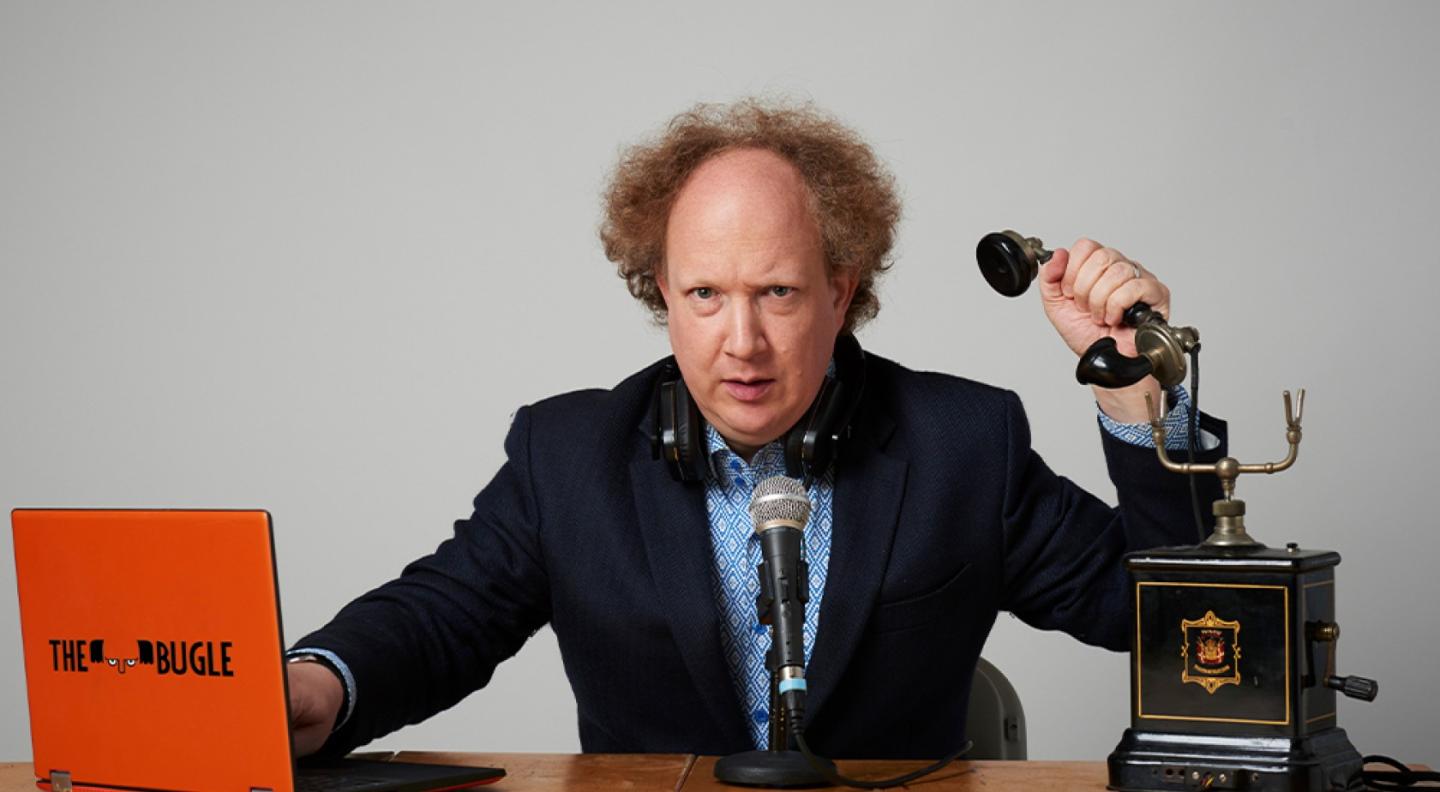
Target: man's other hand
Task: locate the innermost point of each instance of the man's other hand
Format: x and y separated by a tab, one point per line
1085	291
315	698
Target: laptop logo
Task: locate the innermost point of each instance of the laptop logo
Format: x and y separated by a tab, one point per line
167	658
145	654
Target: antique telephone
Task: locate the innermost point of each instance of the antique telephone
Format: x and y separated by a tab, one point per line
1233	677
1010	262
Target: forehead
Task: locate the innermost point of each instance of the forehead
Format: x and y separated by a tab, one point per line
747	204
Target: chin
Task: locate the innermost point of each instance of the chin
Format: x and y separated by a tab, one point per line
755	432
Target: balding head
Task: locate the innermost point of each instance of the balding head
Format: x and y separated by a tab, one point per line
852	198
751	197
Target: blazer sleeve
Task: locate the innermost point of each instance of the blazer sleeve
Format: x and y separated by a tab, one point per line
1064	548
422	642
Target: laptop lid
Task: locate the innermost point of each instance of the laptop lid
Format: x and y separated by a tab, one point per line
152	648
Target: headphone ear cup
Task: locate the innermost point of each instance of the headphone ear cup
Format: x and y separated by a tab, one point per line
810	445
806	456
690	458
678	439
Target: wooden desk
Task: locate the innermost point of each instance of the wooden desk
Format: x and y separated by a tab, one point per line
958	777
579	772
536	772
680	773
533	772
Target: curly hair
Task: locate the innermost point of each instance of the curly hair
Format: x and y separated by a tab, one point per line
851	194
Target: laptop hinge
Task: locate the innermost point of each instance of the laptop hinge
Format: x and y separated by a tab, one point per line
60	781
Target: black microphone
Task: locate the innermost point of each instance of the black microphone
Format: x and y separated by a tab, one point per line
780	508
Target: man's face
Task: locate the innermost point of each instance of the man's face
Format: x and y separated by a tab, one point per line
753	315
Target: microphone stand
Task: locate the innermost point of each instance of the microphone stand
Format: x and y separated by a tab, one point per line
779	766
779	721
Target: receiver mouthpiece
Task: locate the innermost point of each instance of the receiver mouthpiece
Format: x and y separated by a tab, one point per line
779	499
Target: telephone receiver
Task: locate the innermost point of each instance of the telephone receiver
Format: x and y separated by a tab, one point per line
1010	261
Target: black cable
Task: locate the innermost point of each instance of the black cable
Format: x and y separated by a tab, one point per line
1401	777
840	780
1194	438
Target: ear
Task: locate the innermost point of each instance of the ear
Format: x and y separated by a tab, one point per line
97	651
842	291
147	652
662	283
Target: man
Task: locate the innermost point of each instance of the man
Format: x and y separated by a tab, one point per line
756	234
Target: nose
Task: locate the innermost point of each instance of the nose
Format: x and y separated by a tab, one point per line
746	337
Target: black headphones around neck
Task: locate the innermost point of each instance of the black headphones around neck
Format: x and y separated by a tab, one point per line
810	445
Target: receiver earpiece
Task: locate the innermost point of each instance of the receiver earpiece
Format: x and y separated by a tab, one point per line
1010	261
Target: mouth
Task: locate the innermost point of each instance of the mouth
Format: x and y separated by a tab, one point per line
748	390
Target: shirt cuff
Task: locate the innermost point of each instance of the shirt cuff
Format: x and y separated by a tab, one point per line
1177	426
333	660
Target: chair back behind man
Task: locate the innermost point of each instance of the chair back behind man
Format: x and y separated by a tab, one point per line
995	720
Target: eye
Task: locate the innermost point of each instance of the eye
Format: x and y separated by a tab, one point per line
130	662
110	661
781	291
703	292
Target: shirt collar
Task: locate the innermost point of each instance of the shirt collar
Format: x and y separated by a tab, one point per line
730	468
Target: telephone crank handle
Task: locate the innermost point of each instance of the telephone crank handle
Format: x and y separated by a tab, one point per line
1356	687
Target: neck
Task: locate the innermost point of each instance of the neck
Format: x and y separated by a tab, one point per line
746	452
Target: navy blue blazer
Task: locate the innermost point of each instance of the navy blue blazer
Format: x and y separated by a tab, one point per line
944	516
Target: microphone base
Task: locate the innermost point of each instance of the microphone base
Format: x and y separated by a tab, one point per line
773	769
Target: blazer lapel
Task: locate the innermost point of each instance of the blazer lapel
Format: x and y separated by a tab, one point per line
869	486
676	530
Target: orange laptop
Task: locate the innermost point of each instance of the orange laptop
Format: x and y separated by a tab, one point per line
153	658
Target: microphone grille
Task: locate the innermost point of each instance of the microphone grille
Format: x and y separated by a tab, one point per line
779	498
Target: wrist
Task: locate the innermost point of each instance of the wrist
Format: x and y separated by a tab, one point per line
327	681
1127	405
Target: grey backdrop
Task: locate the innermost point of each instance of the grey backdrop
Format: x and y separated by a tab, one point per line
311	257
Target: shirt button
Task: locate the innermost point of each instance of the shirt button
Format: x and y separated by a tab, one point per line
760	715
758	629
